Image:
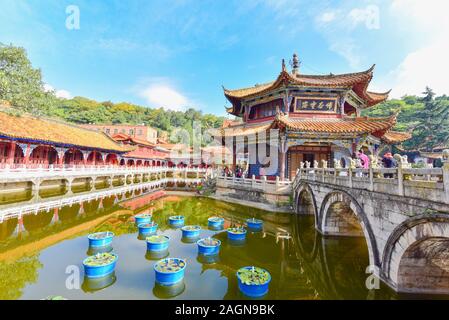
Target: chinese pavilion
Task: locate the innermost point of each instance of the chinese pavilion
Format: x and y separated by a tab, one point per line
318	118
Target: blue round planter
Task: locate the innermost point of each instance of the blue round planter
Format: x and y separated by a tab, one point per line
158	246
99	271
253	290
147	228
190	234
254	224
236	236
176	221
100	239
169	278
215	222
208	250
142	218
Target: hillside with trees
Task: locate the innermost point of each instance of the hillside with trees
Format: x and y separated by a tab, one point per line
21	86
426	118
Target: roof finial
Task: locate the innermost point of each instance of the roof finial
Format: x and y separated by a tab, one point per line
283	64
296	63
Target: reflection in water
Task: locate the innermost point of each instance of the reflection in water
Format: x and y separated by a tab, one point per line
92	285
167	292
302	263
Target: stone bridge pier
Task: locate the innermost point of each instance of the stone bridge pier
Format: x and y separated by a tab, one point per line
407	237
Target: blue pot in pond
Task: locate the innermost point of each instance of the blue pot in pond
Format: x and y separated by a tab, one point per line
169	271
100	239
99	270
158	243
215	222
191	232
236	234
208	246
147	228
176	221
254	224
142	218
251	288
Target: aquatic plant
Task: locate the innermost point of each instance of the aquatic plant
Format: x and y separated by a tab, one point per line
237	230
101	235
100	259
191	228
215	219
170	265
157	239
144	215
253	276
210	242
177	218
147	225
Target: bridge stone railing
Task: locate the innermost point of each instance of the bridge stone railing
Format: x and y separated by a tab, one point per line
427	183
267	186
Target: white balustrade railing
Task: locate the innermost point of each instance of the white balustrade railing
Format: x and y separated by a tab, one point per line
421	183
17	210
15	174
263	184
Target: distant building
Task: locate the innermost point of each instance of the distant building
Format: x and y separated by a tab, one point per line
141	132
144	152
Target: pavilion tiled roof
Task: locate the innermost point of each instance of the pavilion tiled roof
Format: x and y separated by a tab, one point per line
393	137
243	129
358	81
357	125
125	137
39	130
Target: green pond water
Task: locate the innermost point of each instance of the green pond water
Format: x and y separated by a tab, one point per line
46	258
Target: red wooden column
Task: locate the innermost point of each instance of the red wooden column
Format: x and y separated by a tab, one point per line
12	152
26	160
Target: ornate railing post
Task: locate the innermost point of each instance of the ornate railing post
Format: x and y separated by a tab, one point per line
446	175
400	174
371	175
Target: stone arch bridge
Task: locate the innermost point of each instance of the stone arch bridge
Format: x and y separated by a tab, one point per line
402	213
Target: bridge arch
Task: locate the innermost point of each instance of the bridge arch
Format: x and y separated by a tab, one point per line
348	220
305	202
418	249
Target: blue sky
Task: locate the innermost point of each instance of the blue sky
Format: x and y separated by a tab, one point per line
179	53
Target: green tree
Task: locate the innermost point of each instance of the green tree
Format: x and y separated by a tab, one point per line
21	84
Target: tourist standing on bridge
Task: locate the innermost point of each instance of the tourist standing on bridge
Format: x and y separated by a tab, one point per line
388	162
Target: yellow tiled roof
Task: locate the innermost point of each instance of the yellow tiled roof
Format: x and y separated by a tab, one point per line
396	137
56	132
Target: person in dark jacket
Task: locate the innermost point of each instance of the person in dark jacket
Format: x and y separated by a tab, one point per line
388	161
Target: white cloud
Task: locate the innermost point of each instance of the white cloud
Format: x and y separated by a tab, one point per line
327	17
427	65
163	95
58	93
338	24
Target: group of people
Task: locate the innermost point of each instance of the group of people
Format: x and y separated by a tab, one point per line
388	160
238	172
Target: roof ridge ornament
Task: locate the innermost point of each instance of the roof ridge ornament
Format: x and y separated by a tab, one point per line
295	64
283	65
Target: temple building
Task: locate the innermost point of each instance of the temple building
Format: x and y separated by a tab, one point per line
318	118
145	153
27	141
